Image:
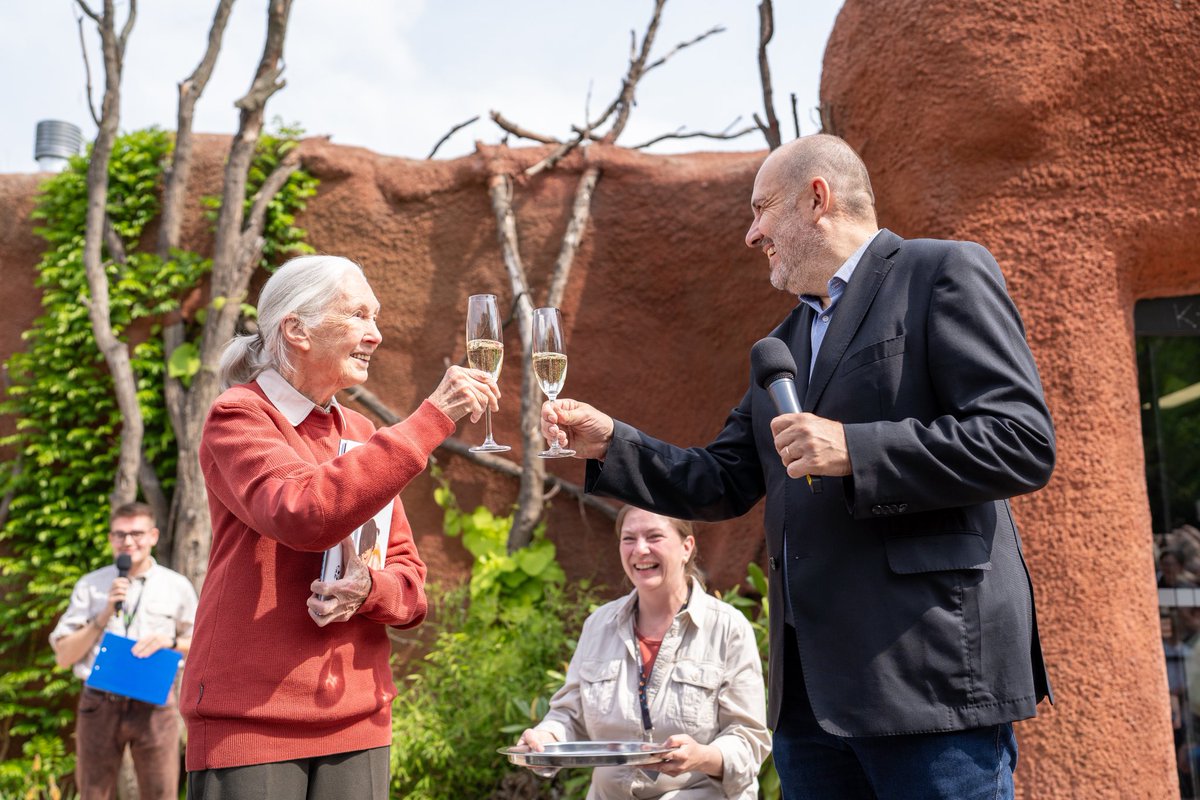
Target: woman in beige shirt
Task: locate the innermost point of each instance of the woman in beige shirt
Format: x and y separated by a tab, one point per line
666	663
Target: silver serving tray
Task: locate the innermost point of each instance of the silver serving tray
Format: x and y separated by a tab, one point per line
588	754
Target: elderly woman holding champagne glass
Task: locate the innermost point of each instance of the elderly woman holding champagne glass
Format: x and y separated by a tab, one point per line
288	689
667	663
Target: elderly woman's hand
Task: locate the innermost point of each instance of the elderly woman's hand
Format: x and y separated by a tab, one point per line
337	601
466	391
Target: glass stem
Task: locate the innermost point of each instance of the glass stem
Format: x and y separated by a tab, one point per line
554	448
487	426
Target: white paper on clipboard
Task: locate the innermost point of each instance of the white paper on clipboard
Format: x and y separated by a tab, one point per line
370	539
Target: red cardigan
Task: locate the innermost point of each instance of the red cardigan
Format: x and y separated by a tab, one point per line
263	683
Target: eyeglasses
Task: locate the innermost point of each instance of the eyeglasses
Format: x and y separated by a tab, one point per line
119	536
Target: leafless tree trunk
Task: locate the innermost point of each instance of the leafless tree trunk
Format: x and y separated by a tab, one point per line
116	354
533	472
173	206
766	29
237	250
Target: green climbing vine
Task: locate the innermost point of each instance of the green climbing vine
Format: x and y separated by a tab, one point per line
67	421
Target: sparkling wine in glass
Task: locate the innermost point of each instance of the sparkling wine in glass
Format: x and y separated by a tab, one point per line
550	363
485	351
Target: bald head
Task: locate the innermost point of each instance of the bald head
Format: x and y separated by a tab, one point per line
823	156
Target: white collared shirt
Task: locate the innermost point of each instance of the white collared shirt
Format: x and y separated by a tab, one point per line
290	402
160	601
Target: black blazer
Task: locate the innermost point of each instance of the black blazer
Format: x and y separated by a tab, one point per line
912	602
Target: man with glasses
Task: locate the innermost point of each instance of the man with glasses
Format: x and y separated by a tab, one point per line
154	606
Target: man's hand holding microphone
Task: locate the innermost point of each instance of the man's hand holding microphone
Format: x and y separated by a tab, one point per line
808	445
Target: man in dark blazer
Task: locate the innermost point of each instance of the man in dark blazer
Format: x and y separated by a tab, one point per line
903	635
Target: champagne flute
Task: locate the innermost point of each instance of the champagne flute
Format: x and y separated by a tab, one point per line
550	363
485	352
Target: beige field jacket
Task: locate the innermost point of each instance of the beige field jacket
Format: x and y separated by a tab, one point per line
707	682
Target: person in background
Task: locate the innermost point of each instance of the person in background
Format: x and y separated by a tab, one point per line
666	663
288	693
157	608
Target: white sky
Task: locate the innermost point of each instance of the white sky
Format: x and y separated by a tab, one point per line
395	75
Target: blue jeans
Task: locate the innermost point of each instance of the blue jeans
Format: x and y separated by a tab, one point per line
974	764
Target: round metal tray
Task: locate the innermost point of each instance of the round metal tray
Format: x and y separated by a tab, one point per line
588	754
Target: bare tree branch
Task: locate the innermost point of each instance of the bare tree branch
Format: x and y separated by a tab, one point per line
256	218
450	133
179	173
228	286
713	31
679	133
115	351
636	67
516	130
766	29
175	193
557	155
125	31
153	493
795	116
372	403
87	10
529	496
581	211
87	73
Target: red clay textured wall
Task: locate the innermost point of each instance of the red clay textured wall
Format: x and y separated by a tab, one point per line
663	304
1065	136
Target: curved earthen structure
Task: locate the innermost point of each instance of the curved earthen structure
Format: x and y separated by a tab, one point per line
1064	135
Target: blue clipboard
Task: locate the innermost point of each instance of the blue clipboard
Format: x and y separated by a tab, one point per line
118	671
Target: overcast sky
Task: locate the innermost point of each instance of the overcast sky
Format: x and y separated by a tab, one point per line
395	75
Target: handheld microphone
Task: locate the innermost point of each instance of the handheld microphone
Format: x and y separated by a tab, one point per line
774	369
124	562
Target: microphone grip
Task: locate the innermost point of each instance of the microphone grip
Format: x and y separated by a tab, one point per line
783	394
121	573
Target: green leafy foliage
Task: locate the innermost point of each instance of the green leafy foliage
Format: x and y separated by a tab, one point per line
40	773
500	650
66	417
499	579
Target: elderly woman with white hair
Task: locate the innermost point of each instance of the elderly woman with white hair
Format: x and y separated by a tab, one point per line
288	688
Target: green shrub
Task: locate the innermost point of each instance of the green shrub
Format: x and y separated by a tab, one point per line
39	775
500	650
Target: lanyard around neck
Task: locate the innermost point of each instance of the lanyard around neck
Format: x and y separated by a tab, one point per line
127	616
643	676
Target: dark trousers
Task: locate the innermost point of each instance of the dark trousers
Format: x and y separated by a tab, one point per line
974	764
104	725
361	775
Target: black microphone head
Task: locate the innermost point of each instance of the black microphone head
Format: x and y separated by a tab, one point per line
770	359
124	562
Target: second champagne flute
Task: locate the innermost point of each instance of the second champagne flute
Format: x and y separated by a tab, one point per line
550	364
485	352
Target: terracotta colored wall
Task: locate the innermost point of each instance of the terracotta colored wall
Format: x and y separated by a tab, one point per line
663	304
1064	135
